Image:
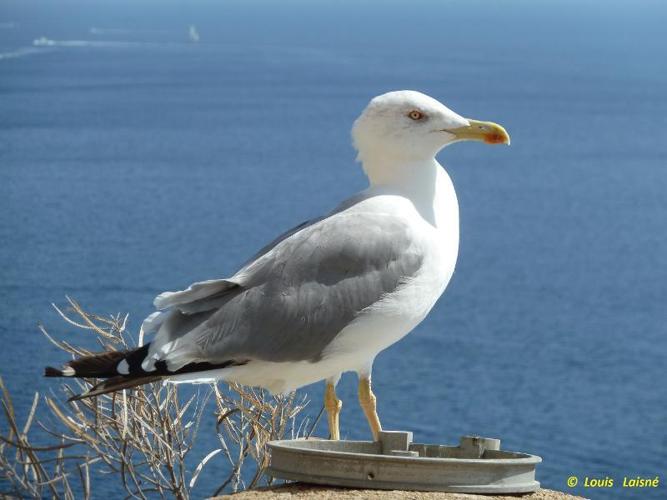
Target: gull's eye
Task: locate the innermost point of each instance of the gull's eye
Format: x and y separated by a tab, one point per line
416	115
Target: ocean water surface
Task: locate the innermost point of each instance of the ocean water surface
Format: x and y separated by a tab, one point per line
134	160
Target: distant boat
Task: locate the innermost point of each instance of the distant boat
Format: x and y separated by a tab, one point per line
43	41
193	33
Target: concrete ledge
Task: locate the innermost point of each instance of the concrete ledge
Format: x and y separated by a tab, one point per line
307	491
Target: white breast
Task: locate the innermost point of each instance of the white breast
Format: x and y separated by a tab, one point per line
389	320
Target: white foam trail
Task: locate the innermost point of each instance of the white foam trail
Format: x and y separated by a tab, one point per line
47	42
23	52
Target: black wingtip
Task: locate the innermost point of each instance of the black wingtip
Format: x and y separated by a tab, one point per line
49	371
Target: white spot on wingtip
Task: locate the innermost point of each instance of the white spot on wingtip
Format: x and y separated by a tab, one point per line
68	371
148	364
123	368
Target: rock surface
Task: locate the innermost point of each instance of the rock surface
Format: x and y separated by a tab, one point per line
306	491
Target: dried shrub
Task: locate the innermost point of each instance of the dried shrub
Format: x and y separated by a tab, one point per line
140	436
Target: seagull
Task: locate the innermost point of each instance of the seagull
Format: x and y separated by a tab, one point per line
327	296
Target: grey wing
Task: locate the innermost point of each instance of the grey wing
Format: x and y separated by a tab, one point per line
183	311
293	300
208	295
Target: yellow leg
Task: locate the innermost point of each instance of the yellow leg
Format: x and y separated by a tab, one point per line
333	406
367	401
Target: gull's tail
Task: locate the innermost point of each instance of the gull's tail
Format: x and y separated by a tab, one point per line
122	370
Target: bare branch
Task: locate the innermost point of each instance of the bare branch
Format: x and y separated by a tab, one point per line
142	436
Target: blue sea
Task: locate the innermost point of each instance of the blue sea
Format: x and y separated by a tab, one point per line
135	160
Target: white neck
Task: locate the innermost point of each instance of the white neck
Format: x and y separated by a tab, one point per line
416	180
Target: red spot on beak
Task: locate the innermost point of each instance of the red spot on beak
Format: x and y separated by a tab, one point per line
494	138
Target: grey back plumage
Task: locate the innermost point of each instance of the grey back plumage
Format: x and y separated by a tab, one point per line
299	292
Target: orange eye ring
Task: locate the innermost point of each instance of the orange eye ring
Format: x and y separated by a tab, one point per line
415	115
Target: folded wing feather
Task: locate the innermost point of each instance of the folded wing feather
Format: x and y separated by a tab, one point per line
293	299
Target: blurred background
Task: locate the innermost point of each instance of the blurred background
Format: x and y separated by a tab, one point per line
145	145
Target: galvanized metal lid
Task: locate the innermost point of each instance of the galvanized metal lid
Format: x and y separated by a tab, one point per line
476	465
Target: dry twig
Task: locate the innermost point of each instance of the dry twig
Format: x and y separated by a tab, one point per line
142	436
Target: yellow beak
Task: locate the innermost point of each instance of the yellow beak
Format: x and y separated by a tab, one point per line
488	132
